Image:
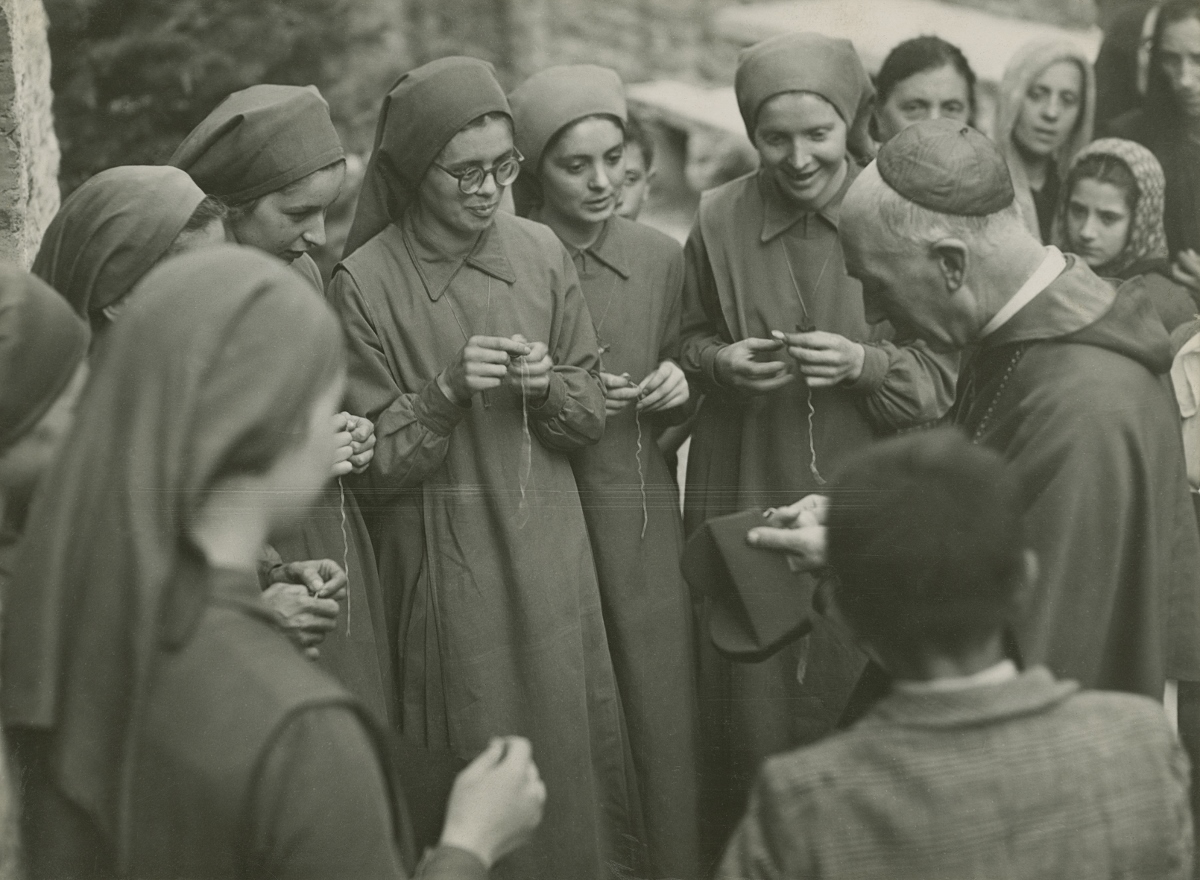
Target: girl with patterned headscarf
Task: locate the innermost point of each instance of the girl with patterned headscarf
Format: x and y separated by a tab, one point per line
1111	216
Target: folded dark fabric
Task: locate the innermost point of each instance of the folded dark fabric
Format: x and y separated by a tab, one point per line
758	604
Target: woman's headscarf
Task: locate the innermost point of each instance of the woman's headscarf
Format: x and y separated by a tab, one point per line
808	63
1029	62
421	113
258	141
42	342
553	98
112	230
191	391
1147	240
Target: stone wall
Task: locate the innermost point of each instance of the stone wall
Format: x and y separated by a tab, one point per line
28	148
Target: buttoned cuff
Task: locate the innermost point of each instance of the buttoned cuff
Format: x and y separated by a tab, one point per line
875	367
708	363
447	862
436	411
556	399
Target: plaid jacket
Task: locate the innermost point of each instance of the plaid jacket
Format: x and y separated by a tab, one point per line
1031	778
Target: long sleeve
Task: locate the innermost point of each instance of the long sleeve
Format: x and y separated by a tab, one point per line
703	332
572	415
319	807
905	384
770	841
669	344
412	430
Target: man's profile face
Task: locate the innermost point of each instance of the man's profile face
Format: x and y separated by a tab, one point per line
901	280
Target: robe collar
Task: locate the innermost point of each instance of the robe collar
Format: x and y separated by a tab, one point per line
779	216
489	255
609	248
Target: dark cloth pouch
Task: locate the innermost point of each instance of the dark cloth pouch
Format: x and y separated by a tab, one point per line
758	604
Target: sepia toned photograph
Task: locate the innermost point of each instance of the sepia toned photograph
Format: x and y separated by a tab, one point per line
599	439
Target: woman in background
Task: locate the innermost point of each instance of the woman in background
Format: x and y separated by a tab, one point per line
570	126
922	78
1044	117
1111	216
272	155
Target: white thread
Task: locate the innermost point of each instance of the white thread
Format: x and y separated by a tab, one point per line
812	442
345	550
527	444
641	474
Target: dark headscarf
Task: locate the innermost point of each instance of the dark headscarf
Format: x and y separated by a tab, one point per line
807	62
190	391
42	342
258	141
112	230
424	109
553	98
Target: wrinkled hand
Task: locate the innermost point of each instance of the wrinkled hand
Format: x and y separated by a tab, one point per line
737	365
362	442
619	392
531	371
497	801
798	530
304	617
665	388
481	365
825	359
345	445
1186	270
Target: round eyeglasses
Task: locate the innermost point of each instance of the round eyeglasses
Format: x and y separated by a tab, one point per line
503	172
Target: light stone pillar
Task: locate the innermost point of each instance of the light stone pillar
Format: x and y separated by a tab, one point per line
28	147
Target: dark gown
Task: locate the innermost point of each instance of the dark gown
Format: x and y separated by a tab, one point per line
477	522
757	451
360	651
632	279
1071	391
251	762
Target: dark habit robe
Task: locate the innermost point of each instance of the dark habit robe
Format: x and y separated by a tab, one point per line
1072	391
753	265
632	279
477	522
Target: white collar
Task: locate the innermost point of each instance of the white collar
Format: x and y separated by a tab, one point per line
1005	670
1052	266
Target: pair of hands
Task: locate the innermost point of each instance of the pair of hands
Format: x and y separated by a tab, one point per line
305	596
665	388
824	359
356	444
798	530
487	362
497	801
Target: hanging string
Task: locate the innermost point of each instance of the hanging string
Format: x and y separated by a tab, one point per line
345	550
637	419
526	466
812	442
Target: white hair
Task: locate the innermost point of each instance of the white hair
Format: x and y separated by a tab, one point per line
871	195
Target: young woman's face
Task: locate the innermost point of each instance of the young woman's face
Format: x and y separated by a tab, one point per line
1050	109
290	222
1098	221
1179	55
637	182
582	173
941	93
485	146
801	143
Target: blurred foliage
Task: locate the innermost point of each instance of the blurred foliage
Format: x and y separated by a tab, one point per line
132	77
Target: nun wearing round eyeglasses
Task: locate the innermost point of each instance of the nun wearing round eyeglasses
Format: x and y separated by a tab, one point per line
472	350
